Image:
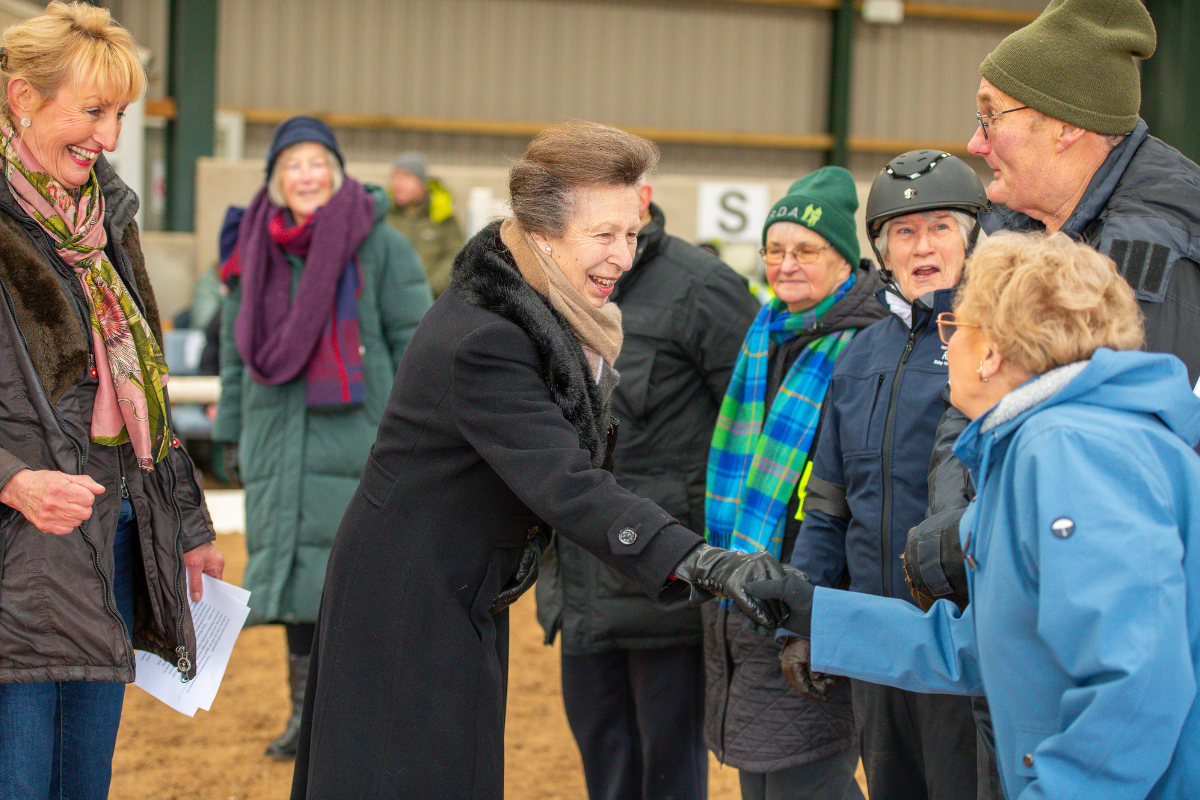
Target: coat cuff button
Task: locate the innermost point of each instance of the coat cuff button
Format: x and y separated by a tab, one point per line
1027	759
627	536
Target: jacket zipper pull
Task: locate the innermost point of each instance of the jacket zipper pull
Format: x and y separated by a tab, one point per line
184	664
124	488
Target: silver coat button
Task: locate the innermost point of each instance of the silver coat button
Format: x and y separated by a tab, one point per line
627	536
1062	527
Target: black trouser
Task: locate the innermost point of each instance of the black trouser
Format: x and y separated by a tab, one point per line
985	746
830	778
299	637
638	718
915	746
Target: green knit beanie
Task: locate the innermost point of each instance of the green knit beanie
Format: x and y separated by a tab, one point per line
823	201
1075	63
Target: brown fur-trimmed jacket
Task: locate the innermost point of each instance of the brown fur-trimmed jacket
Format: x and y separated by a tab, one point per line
58	617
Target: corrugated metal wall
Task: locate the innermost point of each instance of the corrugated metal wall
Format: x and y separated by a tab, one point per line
667	64
147	21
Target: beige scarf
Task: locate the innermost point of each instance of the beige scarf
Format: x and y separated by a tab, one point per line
597	329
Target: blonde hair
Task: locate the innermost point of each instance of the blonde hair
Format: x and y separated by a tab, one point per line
275	182
71	41
1046	301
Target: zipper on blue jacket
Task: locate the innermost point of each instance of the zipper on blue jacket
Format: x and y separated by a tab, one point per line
885	526
875	401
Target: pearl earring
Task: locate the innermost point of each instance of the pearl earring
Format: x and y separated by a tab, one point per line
24	122
979	372
547	249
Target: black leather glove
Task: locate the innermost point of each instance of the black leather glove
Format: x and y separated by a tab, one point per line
229	461
526	573
711	571
796	661
795	592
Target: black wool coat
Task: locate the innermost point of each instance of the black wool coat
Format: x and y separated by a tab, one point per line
494	426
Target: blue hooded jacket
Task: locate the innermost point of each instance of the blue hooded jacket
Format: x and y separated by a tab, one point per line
1081	630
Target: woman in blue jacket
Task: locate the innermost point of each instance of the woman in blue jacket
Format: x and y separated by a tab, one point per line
868	484
1081	630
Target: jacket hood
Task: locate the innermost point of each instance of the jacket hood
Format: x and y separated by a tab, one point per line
1144	383
383	201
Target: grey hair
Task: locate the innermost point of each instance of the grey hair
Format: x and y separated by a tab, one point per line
966	224
275	182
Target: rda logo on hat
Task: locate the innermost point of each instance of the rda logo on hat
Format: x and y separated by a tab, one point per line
811	215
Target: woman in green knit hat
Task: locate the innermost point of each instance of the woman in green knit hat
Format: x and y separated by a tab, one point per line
783	744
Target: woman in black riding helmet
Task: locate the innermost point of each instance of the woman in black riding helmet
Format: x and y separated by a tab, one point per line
869	483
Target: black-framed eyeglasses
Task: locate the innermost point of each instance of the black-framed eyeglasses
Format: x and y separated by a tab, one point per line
947	323
804	254
980	117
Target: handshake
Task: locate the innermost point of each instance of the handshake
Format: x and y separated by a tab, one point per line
771	595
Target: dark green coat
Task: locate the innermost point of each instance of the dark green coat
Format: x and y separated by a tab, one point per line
300	467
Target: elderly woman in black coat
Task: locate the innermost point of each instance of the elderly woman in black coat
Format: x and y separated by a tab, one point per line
495	433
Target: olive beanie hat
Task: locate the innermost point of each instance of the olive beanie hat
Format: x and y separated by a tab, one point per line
823	201
1075	63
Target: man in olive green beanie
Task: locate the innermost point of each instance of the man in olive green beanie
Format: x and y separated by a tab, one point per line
1056	97
1075	63
1059	128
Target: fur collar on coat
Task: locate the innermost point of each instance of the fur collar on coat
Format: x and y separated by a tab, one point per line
485	275
52	329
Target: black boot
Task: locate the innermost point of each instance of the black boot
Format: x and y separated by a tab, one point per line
285	746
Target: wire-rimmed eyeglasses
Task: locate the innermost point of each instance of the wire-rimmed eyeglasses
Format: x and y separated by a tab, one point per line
947	323
804	254
980	117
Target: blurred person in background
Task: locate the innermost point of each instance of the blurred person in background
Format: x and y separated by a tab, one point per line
423	210
869	481
323	297
497	431
632	668
1083	628
784	745
105	531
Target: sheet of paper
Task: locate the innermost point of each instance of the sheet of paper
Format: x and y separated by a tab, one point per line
218	618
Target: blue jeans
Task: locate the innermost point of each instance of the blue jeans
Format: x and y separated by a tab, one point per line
57	739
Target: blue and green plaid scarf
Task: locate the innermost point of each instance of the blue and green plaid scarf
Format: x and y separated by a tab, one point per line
755	465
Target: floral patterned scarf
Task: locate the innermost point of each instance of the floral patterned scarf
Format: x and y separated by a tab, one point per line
130	404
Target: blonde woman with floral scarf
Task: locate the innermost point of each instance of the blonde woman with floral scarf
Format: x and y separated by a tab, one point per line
105	534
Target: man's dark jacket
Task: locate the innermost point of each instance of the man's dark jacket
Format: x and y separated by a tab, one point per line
1142	209
684	314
